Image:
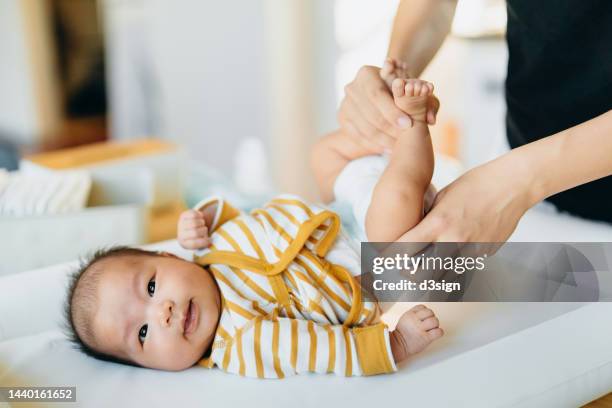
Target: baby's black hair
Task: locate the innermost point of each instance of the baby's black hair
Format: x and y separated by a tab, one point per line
85	289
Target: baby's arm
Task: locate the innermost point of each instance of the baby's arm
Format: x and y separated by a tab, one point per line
269	348
397	200
329	156
284	347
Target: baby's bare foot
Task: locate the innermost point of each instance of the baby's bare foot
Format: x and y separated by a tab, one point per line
413	97
416	329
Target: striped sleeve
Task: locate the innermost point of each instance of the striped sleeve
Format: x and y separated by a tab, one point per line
285	347
223	211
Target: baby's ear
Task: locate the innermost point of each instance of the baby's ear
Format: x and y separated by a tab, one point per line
168	254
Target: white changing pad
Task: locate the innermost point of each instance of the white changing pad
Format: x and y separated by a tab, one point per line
494	354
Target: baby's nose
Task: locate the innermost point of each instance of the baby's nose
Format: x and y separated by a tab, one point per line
167	307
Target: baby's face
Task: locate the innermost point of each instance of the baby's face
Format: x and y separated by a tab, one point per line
157	311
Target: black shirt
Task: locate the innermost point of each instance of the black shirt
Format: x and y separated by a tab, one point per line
560	75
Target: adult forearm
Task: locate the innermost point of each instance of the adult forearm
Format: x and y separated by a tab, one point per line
566	159
419	28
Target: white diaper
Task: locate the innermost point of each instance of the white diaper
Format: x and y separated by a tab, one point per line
355	184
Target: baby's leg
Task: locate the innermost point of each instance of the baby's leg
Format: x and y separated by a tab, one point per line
397	200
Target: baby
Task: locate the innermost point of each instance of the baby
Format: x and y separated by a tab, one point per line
272	293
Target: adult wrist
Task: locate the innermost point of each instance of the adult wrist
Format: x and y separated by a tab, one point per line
529	165
520	178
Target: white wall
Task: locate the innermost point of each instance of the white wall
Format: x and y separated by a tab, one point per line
209	74
18	119
188	70
30	101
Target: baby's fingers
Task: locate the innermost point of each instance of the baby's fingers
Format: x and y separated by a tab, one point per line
193	223
189	214
424	313
191	219
196	243
193	233
430	323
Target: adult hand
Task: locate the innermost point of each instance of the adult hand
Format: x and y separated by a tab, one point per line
368	112
483	205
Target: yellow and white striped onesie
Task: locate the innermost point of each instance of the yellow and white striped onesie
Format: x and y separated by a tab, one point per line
286	308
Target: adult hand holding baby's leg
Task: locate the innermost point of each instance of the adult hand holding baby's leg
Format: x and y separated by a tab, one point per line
415	330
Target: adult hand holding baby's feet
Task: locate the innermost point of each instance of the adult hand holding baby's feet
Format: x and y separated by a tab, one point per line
406	91
192	230
415	330
415	97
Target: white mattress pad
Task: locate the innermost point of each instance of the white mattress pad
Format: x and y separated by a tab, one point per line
493	354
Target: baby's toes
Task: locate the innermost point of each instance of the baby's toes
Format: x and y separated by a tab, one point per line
409	88
412	102
418	85
397	87
430	323
426	88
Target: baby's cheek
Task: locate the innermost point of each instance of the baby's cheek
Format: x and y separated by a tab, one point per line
188	353
175	354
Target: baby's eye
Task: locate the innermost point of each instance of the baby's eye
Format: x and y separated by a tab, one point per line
151	287
143	333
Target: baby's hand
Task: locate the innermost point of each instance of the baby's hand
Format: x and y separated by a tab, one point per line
192	230
416	329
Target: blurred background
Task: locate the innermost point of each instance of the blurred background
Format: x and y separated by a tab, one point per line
241	87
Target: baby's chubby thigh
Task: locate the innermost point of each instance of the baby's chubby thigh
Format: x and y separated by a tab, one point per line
355	186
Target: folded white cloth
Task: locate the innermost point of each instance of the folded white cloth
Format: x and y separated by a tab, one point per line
43	193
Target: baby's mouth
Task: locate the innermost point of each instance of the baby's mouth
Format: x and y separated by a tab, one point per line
191	315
